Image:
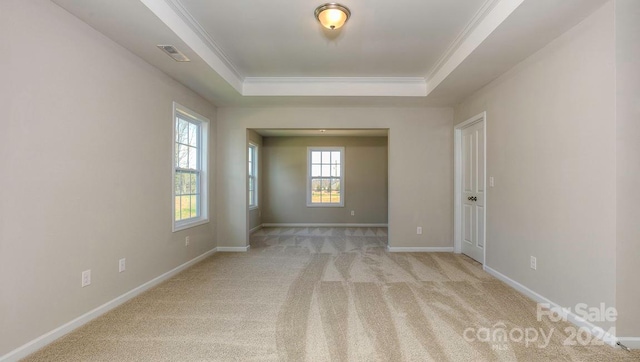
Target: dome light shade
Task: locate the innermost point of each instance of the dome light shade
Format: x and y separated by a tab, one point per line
332	16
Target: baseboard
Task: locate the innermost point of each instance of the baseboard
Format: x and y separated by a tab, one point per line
605	336
325	225
251	231
420	249
51	336
232	249
630	342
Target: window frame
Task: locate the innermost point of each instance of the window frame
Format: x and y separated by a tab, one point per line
202	167
310	151
252	149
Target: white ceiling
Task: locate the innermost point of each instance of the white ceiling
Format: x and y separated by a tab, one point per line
390	53
281	38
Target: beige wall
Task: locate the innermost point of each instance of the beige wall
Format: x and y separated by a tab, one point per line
86	170
628	166
420	166
285	180
551	146
255	214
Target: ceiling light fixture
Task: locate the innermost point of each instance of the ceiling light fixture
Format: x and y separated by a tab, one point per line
332	16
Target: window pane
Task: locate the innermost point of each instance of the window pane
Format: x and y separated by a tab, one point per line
251	201
326	170
183	156
177	208
193	182
315	157
183	131
186	183
194	206
335	157
335	170
181	184
326	198
193	135
185	207
335	184
326	157
316	190
193	158
325	184
177	184
315	171
335	197
335	188
316	184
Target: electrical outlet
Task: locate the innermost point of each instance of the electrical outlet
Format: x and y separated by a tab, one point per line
122	265
353	213
533	263
186	241
86	278
492	182
419	231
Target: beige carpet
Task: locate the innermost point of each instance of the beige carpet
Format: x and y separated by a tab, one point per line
320	294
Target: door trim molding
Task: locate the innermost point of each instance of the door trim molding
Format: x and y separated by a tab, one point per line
457	182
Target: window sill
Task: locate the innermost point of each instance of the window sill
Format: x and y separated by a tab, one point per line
325	205
190	224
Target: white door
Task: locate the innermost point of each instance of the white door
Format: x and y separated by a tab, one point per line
473	189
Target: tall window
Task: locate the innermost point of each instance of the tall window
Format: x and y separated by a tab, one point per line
325	186
253	175
189	168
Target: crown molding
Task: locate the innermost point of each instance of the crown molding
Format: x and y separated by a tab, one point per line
464	34
186	16
335	86
484	22
168	11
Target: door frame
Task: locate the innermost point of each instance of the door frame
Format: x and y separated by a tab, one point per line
457	180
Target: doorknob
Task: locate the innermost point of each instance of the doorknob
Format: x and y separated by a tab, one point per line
474	198
470	198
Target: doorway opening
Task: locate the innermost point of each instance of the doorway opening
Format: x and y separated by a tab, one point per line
296	184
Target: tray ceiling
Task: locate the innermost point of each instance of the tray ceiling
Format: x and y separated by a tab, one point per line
404	53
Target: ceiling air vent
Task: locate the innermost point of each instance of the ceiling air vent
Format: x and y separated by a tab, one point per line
174	53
